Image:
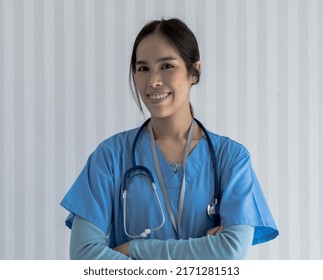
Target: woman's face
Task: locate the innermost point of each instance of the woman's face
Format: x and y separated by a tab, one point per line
161	77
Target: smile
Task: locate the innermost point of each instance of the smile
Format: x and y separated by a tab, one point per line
158	96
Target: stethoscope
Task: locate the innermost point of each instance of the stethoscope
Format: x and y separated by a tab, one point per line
212	208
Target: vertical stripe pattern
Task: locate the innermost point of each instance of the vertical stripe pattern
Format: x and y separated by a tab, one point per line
319	75
19	131
283	187
64	88
10	180
2	135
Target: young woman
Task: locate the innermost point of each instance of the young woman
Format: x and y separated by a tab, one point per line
170	189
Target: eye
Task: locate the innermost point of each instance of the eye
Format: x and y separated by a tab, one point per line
167	66
142	69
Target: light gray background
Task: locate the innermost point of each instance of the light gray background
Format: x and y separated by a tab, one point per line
64	88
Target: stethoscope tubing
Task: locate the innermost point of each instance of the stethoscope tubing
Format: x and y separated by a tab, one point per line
212	208
146	231
217	190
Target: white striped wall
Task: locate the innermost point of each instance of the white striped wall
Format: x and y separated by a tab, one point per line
64	88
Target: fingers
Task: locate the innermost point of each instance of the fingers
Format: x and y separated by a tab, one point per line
123	249
214	231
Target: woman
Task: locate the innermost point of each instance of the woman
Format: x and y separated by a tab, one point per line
188	165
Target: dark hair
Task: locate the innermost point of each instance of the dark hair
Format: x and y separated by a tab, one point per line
180	36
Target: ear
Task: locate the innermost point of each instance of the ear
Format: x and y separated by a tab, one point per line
198	66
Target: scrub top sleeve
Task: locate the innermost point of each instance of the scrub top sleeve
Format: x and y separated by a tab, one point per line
88	242
243	201
90	197
232	243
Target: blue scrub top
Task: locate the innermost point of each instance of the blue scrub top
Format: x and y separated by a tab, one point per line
96	195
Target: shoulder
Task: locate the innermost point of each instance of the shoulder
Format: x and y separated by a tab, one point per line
226	144
233	160
228	150
115	146
121	138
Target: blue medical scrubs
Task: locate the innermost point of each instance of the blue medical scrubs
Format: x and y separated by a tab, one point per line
96	195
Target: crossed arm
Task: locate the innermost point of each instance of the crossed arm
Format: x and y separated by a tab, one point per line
124	248
89	242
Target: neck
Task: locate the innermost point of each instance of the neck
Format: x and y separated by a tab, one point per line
171	128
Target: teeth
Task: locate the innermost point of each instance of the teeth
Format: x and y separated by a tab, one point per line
158	96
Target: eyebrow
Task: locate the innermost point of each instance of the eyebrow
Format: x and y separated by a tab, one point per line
166	58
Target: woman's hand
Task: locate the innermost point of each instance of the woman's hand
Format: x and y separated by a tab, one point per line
214	231
123	248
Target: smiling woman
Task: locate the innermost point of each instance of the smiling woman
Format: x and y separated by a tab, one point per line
183	43
161	78
209	207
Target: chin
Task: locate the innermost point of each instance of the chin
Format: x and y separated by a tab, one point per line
160	116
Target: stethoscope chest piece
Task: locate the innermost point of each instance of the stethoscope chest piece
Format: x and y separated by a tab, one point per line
212	208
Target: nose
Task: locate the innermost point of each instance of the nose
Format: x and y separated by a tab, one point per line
155	79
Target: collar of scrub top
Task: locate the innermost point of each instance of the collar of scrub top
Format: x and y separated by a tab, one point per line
176	225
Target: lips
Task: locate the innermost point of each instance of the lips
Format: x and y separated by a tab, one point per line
158	96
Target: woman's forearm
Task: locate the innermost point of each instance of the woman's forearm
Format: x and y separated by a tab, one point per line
88	242
232	243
